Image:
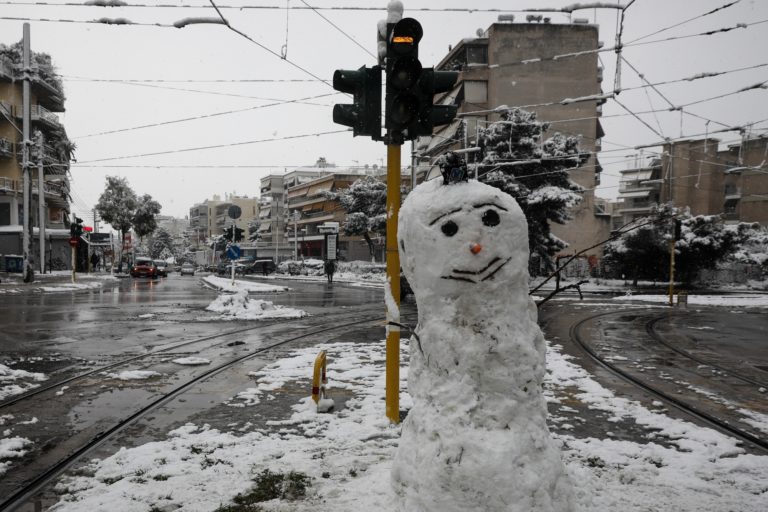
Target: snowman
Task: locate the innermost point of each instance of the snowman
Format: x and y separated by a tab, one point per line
476	437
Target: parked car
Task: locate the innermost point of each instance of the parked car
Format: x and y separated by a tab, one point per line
144	267
263	267
187	268
162	268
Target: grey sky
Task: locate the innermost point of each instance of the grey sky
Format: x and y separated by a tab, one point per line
84	52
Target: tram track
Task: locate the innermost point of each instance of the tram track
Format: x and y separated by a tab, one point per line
719	423
33	485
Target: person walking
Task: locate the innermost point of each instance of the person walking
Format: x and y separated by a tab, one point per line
330	268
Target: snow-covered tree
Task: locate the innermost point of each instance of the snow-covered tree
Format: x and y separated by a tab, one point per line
161	242
117	205
705	241
144	221
517	160
365	202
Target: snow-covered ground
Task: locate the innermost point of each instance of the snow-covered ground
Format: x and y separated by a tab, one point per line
13	382
225	285
57	281
238	306
347	454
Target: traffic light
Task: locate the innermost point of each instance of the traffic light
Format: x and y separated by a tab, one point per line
678	229
364	115
76	228
411	89
238	236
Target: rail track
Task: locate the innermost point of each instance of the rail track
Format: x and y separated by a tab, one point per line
721	424
340	322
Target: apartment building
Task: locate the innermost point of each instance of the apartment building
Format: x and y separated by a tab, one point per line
510	64
309	207
697	175
55	151
211	218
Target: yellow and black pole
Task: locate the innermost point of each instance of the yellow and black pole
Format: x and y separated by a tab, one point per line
393	279
671	271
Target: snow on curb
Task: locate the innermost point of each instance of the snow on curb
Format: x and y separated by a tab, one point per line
225	285
756	300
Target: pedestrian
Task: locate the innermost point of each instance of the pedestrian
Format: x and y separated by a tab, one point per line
330	268
94	262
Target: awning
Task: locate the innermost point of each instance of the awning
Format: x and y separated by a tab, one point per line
298	192
599	132
450	98
264	212
630	195
637	175
264	227
446	136
319	188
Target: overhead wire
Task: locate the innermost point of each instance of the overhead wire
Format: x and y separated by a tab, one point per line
366	50
725	6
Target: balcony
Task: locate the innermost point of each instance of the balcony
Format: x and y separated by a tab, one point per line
636	207
6	148
9	185
41	114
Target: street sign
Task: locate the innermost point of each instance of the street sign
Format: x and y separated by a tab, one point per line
234	212
328	227
330	246
233	252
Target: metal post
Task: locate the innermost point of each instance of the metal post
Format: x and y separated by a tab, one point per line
233	243
41	199
414	164
295	238
671	270
393	277
26	108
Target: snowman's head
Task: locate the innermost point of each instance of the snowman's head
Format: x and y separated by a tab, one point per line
462	238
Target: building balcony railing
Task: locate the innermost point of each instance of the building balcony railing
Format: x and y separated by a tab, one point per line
9	185
637	207
43	115
636	186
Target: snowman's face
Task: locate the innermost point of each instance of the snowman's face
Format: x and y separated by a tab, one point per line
461	237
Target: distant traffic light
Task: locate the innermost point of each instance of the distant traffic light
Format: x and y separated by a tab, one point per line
411	89
76	228
364	115
238	235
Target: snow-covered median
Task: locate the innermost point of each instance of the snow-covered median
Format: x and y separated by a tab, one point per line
14	382
225	285
239	306
347	454
756	300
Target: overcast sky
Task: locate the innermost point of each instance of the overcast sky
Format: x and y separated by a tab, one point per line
124	77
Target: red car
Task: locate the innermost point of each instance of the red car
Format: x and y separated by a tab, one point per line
144	267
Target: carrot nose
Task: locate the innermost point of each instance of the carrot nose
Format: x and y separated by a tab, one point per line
475	248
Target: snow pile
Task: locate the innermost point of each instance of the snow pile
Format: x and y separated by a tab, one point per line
134	375
14	382
238	306
191	361
11	448
476	437
226	285
71	287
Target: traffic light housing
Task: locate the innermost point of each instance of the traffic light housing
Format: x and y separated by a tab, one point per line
238	235
364	115
410	112
76	228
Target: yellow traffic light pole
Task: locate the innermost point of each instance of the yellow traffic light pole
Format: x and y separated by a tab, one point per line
393	278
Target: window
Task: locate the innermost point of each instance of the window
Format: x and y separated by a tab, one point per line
477	55
5	214
475	91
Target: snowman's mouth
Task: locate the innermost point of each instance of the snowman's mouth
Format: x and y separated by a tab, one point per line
476	276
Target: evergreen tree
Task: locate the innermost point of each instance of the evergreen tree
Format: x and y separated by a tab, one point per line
515	159
162	242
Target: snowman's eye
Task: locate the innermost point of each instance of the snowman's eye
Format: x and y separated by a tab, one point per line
491	218
449	228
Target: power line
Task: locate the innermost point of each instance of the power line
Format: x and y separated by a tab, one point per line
204	116
340	30
686	21
215	146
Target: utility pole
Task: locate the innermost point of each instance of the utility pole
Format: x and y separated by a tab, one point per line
41	198
26	107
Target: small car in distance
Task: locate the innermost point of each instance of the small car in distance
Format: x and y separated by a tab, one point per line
262	267
144	267
162	268
187	268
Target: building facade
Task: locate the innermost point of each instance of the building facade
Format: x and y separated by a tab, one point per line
51	148
511	64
